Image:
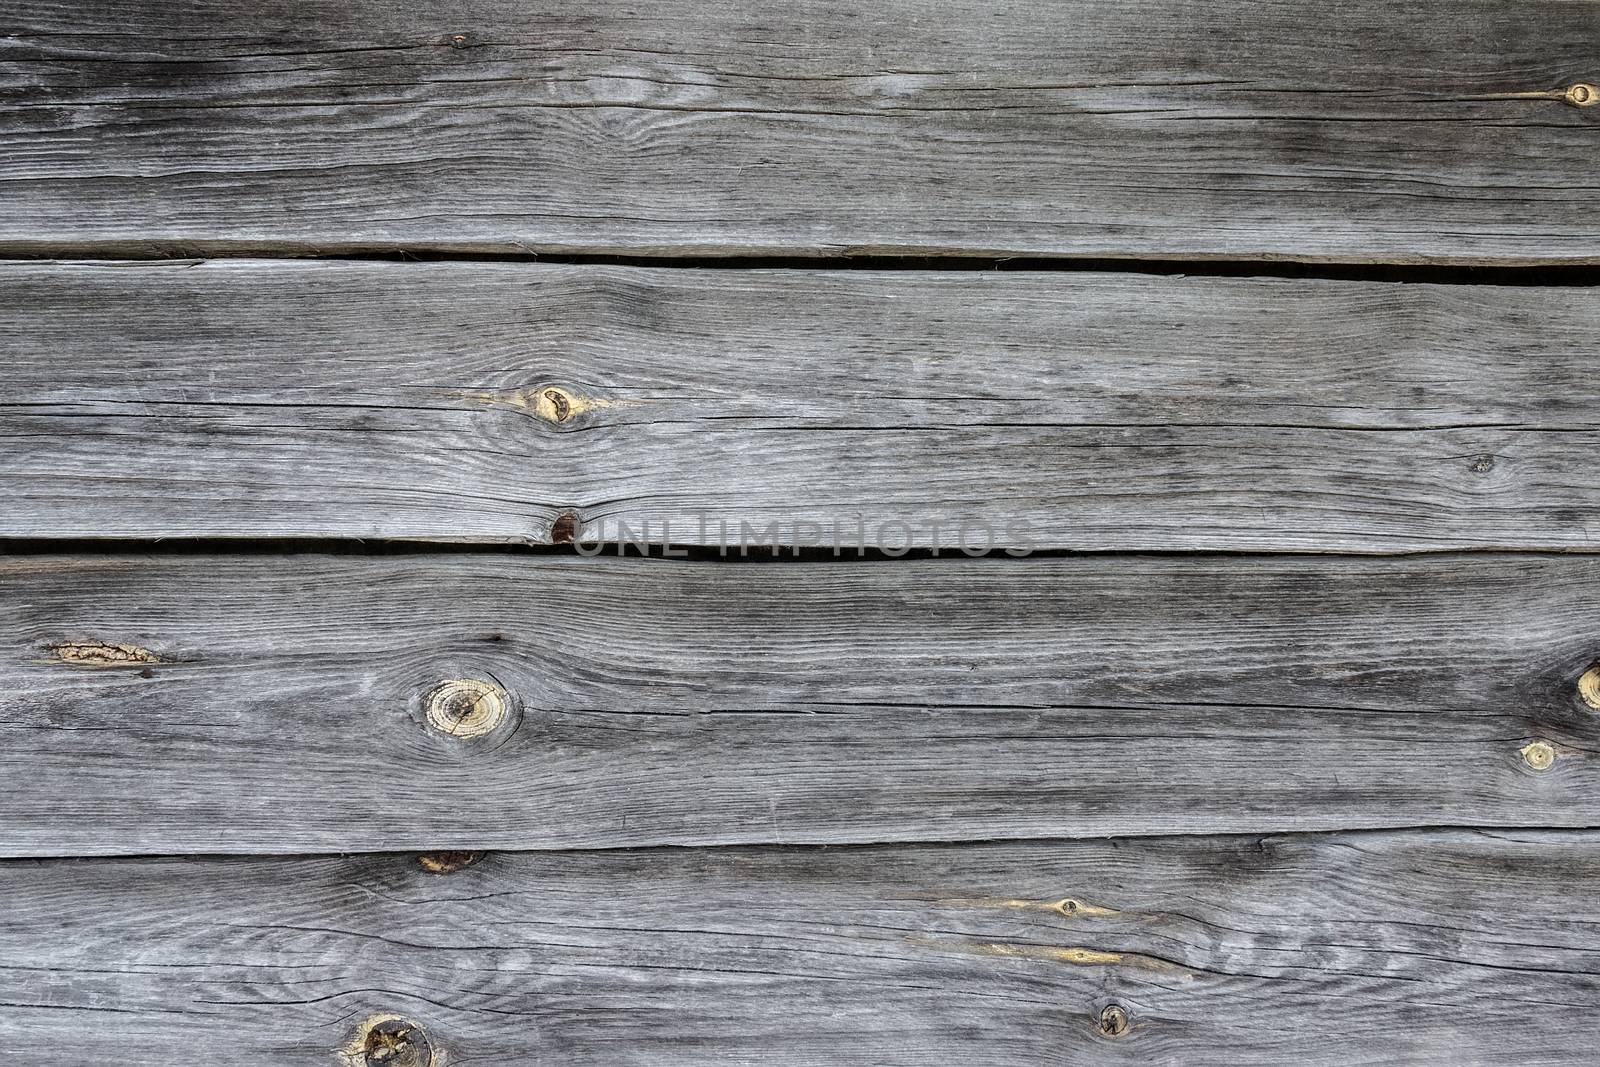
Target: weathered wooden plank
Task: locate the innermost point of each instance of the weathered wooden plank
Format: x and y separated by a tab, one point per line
1041	410
1357	130
1448	949
250	704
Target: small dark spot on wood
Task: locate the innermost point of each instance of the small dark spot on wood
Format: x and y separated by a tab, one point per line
448	862
396	1043
493	637
147	673
1112	1020
1482	464
564	531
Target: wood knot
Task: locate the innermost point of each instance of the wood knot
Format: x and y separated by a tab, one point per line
1582	94
558	406
1539	755
460	40
1482	464
1072	908
562	406
554	404
102	654
389	1041
467	707
1589	687
448	862
1112	1020
564	531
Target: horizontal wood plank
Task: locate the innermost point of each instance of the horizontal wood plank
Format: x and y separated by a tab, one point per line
302	703
1350	131
473	402
1447	949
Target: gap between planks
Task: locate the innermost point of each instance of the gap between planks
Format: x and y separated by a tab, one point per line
1136	836
189	254
92	547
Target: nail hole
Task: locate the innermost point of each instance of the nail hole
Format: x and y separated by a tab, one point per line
1583	95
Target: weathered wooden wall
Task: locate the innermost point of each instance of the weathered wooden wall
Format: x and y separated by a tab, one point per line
471	402
1272	738
262	704
1443	949
1354	130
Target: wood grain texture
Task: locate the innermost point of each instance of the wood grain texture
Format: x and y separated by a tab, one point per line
1039	410
1348	131
1445	950
265	704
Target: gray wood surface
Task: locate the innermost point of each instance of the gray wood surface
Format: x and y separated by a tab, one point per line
1448	949
1356	130
1326	793
481	402
278	704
